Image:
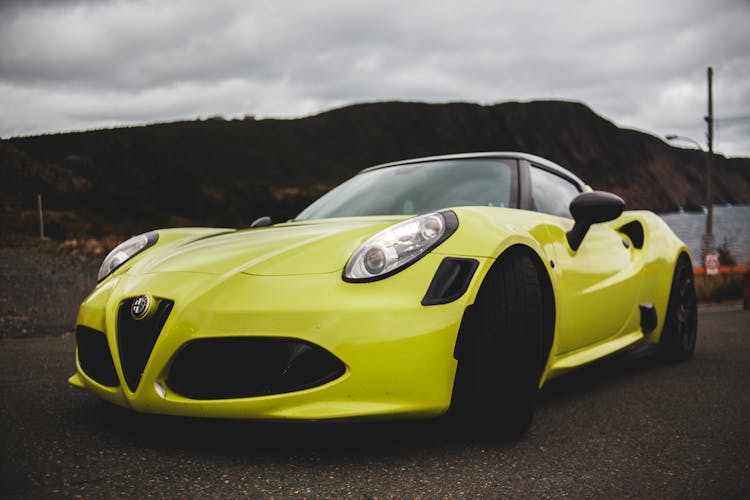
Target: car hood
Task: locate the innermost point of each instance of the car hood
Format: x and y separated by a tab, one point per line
314	247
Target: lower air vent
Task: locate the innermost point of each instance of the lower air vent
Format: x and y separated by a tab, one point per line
136	338
94	356
450	281
649	320
241	367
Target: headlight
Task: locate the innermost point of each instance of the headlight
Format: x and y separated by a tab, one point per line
398	246
124	251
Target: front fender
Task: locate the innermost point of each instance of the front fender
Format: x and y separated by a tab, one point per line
488	232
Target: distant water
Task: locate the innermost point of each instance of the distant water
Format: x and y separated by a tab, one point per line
731	225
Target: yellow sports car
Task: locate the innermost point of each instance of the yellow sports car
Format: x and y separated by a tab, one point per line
463	281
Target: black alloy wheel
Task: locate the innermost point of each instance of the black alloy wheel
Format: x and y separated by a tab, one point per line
681	323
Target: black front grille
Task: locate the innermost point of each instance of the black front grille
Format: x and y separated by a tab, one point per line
94	356
136	338
240	367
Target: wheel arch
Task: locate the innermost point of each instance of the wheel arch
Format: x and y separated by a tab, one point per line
683	253
549	306
677	343
549	311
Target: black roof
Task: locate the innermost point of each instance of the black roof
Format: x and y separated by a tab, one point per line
536	160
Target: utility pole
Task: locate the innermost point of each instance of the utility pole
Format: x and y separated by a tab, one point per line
41	216
708	238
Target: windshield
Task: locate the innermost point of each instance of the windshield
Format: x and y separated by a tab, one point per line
418	188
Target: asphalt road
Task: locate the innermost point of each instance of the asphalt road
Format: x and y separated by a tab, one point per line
631	427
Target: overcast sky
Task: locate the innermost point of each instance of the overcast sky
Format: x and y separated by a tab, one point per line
77	64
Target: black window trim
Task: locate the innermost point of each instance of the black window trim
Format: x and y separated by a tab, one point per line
526	201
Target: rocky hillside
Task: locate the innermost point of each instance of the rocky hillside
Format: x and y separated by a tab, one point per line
227	173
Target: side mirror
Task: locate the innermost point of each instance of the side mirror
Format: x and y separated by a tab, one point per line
592	208
262	222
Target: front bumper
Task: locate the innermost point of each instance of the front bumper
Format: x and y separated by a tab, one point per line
396	354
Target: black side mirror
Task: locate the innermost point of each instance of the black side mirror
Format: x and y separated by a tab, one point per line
262	222
591	208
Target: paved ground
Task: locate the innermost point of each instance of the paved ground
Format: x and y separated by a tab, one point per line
628	428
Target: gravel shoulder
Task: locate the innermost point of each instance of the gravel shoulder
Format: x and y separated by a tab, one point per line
41	289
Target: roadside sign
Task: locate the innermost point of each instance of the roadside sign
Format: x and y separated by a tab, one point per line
711	262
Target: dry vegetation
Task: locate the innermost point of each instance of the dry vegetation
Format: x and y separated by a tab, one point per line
724	287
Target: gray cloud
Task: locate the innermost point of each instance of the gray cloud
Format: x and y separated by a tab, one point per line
85	64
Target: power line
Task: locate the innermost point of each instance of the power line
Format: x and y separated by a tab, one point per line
733	119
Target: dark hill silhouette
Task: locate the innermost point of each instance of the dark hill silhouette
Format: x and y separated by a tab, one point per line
226	173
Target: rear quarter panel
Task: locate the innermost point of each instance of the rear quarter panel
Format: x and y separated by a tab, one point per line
661	249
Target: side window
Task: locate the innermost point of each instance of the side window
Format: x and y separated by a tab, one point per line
551	193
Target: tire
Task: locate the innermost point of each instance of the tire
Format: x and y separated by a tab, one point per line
506	347
678	337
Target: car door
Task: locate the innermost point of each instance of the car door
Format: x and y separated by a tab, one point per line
597	285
